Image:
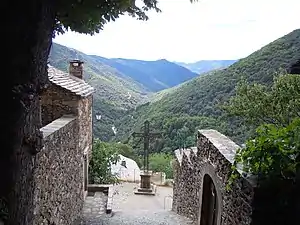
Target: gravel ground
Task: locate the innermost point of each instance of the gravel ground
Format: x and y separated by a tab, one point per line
145	217
131	209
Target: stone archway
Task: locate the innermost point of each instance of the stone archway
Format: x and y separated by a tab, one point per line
210	190
209	207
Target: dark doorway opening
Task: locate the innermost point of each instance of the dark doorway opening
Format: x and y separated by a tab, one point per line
209	210
85	172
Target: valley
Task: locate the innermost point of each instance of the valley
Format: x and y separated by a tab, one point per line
120	84
176	100
205	66
197	104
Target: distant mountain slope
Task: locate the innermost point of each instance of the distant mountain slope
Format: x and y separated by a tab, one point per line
194	104
204	66
155	75
115	92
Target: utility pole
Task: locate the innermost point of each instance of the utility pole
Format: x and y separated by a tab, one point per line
145	187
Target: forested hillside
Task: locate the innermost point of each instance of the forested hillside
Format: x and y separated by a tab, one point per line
115	92
196	104
154	75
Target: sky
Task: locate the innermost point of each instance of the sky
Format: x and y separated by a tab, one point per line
185	32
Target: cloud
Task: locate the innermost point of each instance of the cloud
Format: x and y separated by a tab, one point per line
209	29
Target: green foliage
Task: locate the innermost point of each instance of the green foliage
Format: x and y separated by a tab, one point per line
127	151
257	104
89	16
203	96
161	162
177	131
111	98
103	155
273	153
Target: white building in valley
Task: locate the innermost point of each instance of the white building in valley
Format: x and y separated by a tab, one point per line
126	169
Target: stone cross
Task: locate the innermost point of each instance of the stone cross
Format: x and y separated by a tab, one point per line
146	135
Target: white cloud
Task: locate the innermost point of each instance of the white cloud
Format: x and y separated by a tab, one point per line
209	29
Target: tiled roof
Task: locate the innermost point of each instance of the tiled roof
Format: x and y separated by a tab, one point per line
69	82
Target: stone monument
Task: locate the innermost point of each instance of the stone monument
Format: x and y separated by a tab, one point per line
146	188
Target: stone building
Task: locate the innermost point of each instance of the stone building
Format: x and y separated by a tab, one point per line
200	179
61	167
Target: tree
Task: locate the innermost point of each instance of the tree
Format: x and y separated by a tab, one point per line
258	104
127	151
273	155
103	155
89	16
30	26
161	162
276	112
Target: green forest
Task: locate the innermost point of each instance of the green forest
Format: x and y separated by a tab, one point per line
200	103
225	100
256	97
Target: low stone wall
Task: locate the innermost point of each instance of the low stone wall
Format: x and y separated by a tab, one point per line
158	178
213	156
58	195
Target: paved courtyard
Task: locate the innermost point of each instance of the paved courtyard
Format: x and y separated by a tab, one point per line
131	209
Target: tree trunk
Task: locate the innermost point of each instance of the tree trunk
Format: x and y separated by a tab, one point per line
29	27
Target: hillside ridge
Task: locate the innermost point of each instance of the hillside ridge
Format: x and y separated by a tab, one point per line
155	75
196	104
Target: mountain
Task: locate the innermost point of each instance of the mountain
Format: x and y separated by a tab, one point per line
204	66
154	75
193	105
115	92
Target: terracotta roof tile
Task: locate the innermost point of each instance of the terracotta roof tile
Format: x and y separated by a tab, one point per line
69	82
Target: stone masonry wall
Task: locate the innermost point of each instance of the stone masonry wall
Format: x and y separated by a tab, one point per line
58	196
85	123
213	156
56	102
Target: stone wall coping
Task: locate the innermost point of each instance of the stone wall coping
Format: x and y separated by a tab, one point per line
56	125
225	146
228	149
179	153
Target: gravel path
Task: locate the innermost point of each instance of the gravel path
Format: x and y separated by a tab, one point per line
145	217
131	209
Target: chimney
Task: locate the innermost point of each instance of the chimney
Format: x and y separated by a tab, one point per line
76	68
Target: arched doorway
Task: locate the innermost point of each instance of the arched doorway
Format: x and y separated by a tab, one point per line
209	208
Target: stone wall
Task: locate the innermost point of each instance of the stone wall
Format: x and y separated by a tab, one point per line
58	195
158	178
85	123
213	156
56	102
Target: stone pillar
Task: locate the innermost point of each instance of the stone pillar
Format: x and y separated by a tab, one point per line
76	68
145	181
